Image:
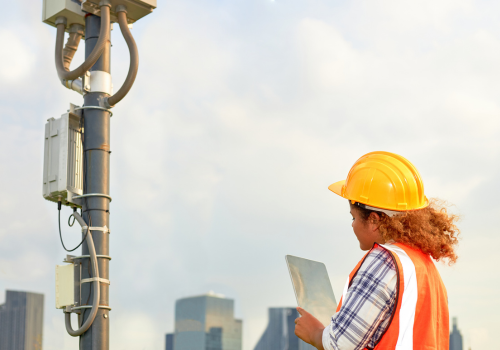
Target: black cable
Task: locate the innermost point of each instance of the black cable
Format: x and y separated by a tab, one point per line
74	219
60	234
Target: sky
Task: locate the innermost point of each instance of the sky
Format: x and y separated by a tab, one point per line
242	114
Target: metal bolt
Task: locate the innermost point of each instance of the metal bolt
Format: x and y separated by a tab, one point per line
105	316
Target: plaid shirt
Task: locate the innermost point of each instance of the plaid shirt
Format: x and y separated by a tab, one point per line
366	311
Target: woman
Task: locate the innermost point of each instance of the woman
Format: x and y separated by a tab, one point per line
394	298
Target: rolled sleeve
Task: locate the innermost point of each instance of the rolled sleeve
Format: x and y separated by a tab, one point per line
368	305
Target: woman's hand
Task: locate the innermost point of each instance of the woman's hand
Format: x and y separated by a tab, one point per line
309	329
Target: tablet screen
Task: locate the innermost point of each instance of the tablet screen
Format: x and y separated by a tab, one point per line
312	287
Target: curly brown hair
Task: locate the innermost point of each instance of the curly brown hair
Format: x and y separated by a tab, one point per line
431	230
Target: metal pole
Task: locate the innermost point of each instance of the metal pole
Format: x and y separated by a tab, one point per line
96	180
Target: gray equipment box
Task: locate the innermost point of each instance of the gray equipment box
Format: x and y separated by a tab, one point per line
71	9
63	156
75	10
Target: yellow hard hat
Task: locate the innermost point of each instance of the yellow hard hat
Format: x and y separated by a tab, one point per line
383	180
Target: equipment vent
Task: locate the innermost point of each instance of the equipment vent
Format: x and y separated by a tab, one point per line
75	152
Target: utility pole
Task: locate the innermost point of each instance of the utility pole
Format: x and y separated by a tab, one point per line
95	209
77	154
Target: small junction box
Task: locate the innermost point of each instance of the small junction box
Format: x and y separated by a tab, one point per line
65	286
71	9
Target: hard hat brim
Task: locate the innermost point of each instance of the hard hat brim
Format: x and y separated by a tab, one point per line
337	187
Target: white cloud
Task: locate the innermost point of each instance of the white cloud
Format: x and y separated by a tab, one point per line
240	118
17	60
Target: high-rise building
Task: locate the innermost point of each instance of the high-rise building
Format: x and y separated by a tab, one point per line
169	341
280	331
205	322
456	341
21	321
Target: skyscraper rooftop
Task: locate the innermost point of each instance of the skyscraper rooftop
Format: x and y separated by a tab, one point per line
456	341
206	322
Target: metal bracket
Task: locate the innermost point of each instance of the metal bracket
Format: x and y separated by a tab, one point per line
92	279
76	309
93	195
90	306
88	256
86	82
74	109
97	81
69	259
96	107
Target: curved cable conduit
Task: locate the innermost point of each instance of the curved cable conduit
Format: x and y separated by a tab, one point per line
65	55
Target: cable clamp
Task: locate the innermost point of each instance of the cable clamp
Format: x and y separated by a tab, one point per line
61	20
97	81
76	309
92	279
90	307
93	195
88	256
121	8
96	228
105	3
96	107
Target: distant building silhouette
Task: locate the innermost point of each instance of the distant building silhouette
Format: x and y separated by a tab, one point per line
169	341
21	321
279	334
456	342
205	322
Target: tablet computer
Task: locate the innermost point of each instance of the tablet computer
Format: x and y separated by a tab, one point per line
312	287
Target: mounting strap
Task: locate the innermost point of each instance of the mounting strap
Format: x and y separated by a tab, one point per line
95	107
88	256
96	228
92	279
93	195
89	307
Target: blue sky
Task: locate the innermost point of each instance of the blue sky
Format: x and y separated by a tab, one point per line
242	114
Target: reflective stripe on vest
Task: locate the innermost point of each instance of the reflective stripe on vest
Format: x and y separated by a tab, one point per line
420	318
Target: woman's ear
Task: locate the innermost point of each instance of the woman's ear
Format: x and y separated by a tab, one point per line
374	219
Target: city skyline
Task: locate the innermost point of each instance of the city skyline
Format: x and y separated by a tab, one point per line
21	321
277	335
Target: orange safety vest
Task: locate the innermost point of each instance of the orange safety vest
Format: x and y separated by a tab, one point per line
420	317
